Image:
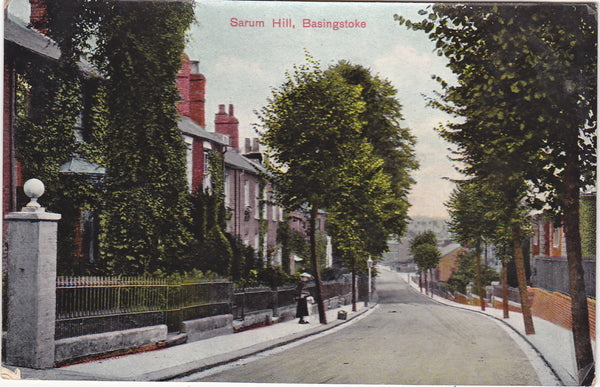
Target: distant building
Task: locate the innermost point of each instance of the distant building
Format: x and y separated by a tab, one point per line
549	250
449	262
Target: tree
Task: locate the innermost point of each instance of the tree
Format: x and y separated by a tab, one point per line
468	272
527	81
424	249
308	125
382	128
358	218
146	223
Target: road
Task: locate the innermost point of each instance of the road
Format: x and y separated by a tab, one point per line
407	339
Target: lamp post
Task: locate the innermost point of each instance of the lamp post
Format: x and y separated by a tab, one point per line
370	264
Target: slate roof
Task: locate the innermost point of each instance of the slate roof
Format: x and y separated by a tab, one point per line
17	32
188	126
236	160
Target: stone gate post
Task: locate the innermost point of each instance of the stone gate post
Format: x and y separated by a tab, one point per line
31	280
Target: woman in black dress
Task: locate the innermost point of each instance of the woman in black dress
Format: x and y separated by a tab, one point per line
302	295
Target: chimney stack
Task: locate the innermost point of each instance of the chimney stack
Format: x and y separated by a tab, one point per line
191	85
38	18
229	125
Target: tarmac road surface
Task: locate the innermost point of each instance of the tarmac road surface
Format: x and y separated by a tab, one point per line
407	339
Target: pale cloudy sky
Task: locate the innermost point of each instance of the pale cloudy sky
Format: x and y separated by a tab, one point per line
242	65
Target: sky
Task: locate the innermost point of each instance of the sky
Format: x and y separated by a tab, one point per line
242	65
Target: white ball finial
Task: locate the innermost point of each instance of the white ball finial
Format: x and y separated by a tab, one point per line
33	188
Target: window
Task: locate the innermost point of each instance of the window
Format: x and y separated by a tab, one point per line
189	158
246	194
256	200
206	164
556	237
226	188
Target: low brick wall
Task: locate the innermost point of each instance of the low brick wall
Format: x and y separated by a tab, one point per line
461	298
556	308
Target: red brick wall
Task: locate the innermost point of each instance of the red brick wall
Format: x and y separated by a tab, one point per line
554	307
197	100
37	18
197	164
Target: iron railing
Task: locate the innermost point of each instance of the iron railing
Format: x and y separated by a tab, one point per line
249	300
86	305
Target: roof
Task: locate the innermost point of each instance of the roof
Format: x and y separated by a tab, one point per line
188	126
452	247
17	32
236	160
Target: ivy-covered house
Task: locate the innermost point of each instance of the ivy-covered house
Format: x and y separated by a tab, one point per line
42	141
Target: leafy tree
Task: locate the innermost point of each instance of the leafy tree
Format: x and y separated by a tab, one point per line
424	249
468	272
382	128
357	219
527	82
308	124
146	223
469	220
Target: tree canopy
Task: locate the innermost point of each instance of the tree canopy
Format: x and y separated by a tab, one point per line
526	94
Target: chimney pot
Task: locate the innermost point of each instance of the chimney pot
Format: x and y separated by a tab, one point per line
255	145
222	109
248	146
194	67
230	110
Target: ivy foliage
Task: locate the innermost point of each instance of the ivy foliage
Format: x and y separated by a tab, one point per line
146	225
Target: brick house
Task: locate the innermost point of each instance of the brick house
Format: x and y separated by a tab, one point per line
243	167
549	251
198	141
449	261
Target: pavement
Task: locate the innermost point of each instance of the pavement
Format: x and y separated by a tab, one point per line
185	359
551	343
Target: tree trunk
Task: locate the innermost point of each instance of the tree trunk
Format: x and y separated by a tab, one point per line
432	281
521	278
479	283
426	284
504	289
579	308
421	281
315	264
354	284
